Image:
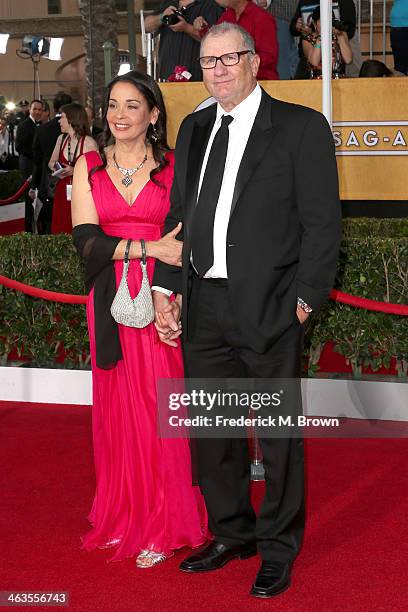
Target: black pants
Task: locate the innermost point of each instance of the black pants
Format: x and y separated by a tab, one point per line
399	45
215	349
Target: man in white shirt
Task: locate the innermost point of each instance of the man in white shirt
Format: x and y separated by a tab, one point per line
256	188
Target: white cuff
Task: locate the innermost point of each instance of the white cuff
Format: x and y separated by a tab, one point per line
167	292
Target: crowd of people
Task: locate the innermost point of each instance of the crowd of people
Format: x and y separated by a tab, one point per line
46	150
286	34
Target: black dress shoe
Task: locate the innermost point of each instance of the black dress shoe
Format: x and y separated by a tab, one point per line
273	578
216	555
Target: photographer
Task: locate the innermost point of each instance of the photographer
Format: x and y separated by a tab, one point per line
347	14
312	49
179	41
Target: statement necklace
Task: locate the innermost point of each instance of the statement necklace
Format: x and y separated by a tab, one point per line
128	172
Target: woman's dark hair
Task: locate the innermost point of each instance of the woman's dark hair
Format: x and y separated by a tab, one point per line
152	94
77	118
374	68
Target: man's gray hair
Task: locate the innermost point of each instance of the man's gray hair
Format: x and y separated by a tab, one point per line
224	28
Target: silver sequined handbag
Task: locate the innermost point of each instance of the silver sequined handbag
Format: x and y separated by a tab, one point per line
137	312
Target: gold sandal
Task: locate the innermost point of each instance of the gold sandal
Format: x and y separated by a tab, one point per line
149	558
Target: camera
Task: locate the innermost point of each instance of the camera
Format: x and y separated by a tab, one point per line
340	25
172	19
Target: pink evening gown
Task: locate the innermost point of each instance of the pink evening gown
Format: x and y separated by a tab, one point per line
144	495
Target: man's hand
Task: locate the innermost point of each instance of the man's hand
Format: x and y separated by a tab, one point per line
180	26
200	23
169	10
167	317
301	314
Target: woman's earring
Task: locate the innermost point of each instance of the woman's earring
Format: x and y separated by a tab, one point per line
154	136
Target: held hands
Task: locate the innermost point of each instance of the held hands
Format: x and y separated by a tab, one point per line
168	249
167	318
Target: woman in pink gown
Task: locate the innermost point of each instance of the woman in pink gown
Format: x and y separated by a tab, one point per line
145	504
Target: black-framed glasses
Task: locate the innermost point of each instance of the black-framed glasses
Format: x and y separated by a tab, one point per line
228	59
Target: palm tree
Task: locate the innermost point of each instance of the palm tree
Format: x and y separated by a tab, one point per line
100	24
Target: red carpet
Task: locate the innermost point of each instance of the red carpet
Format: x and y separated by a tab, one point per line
354	556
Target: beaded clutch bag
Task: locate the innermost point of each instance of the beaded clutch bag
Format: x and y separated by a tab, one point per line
139	311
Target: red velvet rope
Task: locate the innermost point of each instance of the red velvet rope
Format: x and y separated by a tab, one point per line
338	296
14	197
51	296
353	300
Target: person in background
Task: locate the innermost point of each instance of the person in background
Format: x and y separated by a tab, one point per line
312	49
74	141
374	69
22	110
399	35
8	157
24	147
179	41
46	113
95	130
43	146
298	27
259	24
283	11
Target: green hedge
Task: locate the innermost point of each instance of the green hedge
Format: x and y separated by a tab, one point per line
10	182
37	328
373	263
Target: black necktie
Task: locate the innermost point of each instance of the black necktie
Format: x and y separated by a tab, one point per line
203	221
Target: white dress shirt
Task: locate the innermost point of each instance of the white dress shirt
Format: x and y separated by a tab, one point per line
244	116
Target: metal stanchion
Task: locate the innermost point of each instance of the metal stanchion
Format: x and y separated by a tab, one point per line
107	59
131	33
326	22
384	30
257	468
371	28
359	20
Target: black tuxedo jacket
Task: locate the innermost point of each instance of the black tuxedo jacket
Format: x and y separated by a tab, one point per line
285	223
24	145
44	142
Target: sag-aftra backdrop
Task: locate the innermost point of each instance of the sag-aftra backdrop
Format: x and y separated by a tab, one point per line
370	128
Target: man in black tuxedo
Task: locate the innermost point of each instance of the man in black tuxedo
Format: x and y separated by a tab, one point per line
256	188
24	147
43	146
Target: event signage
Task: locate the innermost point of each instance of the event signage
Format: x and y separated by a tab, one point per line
371	137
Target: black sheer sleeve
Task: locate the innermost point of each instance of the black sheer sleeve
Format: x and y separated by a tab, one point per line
97	249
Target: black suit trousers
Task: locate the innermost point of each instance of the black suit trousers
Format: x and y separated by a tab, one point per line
215	349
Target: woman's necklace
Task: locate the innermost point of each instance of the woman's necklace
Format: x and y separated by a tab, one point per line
128	172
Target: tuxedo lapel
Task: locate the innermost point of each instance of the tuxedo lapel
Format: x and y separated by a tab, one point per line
259	139
195	155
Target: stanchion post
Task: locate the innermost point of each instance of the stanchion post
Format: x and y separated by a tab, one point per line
326	25
107	59
131	33
384	30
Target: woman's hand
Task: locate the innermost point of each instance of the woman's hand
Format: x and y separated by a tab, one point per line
67	171
167	249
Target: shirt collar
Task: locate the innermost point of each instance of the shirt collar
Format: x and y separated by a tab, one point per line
245	110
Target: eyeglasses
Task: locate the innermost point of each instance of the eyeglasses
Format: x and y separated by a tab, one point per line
228	59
